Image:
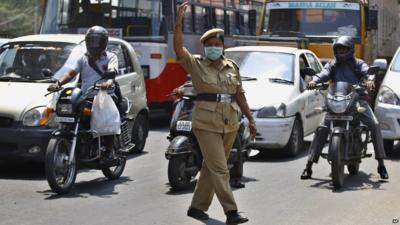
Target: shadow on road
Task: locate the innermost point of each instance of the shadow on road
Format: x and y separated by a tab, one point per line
100	187
27	170
159	122
212	221
277	156
21	170
359	182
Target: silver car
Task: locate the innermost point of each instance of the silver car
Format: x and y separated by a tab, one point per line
387	104
274	79
26	118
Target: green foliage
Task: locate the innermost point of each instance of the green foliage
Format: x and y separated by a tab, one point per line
19	18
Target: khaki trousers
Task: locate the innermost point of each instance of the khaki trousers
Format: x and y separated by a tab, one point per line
214	174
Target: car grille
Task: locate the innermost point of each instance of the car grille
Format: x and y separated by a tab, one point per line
7	147
6	122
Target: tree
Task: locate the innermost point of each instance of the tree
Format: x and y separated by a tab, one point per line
19	18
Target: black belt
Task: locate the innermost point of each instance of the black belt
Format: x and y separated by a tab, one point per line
215	97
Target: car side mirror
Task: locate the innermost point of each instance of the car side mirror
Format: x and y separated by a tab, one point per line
381	63
47	72
308	71
373	70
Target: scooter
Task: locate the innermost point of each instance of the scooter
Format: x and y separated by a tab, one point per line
183	152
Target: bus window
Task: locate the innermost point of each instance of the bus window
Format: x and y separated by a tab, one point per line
88	14
231	23
219	18
134	17
242	20
187	21
202	19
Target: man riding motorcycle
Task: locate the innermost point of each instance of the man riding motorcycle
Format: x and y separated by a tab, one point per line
92	66
345	67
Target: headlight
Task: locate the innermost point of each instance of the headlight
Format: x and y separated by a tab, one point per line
338	104
278	110
38	117
387	96
64	109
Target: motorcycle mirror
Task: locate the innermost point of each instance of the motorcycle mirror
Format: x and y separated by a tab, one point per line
373	70
110	74
308	71
47	72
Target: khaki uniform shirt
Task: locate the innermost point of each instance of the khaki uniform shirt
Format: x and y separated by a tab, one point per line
217	117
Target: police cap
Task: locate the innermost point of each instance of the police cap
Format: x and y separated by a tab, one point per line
215	32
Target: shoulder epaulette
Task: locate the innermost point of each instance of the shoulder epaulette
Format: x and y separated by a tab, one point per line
234	63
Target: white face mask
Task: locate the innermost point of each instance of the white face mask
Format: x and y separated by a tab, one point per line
213	53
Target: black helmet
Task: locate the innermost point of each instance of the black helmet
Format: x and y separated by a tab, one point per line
347	42
96	40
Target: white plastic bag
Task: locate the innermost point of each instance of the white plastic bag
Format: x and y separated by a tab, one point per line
105	119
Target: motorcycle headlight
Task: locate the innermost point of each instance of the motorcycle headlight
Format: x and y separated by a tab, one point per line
387	96
39	116
338	104
278	110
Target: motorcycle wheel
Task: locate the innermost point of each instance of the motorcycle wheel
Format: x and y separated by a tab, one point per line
337	166
236	171
139	134
353	168
178	178
115	172
59	173
296	140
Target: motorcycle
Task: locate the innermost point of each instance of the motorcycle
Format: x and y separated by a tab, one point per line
74	145
183	152
348	137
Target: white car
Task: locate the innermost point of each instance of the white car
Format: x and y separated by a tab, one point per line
3	41
26	115
387	104
274	79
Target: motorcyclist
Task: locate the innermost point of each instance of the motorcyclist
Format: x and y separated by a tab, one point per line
92	66
345	67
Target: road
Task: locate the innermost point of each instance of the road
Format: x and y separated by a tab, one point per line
274	193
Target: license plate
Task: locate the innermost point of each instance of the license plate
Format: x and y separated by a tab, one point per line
64	119
182	125
334	117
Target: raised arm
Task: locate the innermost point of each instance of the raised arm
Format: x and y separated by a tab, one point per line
178	35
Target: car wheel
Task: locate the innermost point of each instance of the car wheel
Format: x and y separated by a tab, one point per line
139	133
296	140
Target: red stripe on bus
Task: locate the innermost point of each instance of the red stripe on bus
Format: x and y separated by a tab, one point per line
159	88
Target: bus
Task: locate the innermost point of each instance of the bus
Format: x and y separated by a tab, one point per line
322	21
148	25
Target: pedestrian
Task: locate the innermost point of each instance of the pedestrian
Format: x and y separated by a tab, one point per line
220	96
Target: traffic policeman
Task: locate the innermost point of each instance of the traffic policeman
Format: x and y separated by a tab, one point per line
220	96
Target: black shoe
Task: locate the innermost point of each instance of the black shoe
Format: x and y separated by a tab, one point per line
383	172
197	214
235	183
306	173
233	217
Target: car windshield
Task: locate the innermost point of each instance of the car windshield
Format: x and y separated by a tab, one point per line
396	64
25	61
264	65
